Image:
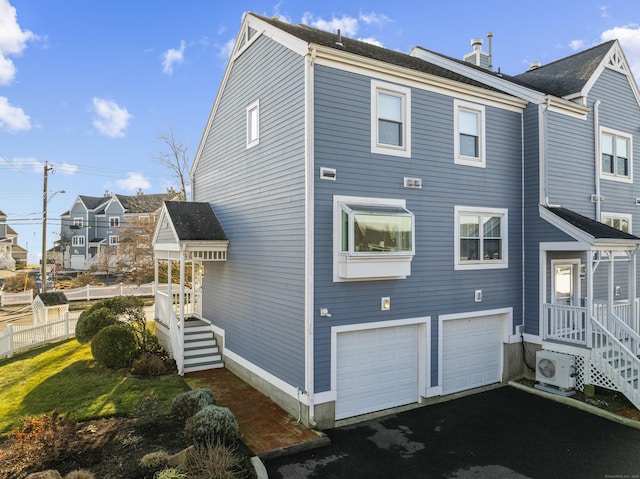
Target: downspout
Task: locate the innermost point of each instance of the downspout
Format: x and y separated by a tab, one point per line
522	207
309	236
543	154
596	130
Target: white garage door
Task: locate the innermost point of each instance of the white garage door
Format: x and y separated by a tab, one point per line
471	353
376	369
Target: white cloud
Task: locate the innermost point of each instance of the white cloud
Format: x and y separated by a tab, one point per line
224	51
12	118
629	37
111	119
576	45
13	40
173	56
372	41
65	168
374	19
27	162
133	182
346	24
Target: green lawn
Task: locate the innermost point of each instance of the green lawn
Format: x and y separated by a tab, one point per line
64	376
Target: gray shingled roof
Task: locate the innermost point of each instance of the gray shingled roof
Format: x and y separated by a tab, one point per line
143	203
329	39
567	75
92	202
194	221
592	227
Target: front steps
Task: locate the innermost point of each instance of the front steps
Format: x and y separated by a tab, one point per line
201	350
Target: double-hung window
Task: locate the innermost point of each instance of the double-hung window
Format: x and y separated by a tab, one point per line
373	238
114	240
616	156
77	240
253	124
469	141
618	221
480	238
114	221
390	119
77	223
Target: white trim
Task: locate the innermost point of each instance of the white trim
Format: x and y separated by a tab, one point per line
458	158
253	109
576	287
372	268
117	240
503	262
111	221
622	135
424	364
77	241
404	94
506	319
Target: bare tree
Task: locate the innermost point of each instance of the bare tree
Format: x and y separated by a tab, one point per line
135	252
176	161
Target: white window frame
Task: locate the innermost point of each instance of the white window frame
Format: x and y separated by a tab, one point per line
604	216
114	240
253	113
349	266
614	176
78	221
460	159
405	94
77	241
114	222
503	262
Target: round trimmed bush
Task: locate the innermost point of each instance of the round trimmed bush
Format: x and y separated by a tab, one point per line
189	403
212	424
115	346
93	320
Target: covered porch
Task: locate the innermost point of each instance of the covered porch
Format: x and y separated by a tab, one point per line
188	235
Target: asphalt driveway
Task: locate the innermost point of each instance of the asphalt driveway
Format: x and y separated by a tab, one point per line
502	433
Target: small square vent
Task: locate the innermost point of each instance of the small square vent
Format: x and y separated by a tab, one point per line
412	182
328	173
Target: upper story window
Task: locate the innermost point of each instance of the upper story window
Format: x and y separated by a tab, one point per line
114	222
253	124
616	156
480	238
77	222
373	238
77	241
469	141
618	221
113	240
390	119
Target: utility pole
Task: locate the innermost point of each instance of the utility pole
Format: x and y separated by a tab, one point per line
47	169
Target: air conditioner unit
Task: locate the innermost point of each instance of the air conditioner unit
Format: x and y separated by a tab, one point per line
555	369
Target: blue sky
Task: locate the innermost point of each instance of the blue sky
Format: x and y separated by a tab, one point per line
89	85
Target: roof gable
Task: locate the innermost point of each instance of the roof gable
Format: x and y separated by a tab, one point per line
193	221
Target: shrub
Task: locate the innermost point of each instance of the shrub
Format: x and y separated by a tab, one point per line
92	320
148	410
149	364
189	403
211	425
215	461
155	460
80	474
115	346
170	473
16	283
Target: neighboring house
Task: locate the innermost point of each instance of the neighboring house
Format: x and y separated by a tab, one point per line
90	229
399	225
11	254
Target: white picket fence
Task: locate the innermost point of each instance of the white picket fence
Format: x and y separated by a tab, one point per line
87	293
17	338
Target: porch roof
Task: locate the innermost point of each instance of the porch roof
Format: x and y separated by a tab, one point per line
586	229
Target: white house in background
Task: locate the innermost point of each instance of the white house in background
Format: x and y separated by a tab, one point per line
11	253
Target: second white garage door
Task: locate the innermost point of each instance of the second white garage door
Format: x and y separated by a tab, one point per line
376	369
471	353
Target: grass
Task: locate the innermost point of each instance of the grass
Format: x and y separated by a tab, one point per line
64	376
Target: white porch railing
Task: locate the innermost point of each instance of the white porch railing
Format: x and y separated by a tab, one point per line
166	314
16	338
622	311
565	323
12	299
6	261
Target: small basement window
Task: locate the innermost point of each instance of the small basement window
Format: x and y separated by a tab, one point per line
375	239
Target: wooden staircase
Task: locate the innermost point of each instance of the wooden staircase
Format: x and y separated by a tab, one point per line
201	350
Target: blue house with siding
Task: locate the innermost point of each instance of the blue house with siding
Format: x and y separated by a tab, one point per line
391	228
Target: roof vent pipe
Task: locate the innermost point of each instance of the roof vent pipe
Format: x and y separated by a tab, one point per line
490	41
534	66
476	43
339	42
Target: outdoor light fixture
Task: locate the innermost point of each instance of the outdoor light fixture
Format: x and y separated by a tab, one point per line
385	303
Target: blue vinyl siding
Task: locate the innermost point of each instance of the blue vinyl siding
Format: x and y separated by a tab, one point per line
342	141
257	296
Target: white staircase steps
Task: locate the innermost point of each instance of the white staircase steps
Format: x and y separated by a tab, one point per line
201	350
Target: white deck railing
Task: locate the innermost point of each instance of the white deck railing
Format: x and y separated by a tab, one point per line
565	323
12	299
16	338
166	315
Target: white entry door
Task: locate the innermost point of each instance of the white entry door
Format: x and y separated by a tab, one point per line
376	369
565	282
